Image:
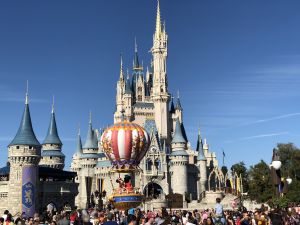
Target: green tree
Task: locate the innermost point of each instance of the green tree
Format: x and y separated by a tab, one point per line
260	186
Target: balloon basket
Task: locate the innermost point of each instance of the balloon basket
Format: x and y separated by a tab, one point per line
124	199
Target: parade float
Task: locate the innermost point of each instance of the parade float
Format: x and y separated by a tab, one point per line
125	144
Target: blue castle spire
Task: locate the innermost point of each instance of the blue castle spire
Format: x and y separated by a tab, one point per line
90	140
52	134
79	144
199	148
178	136
25	134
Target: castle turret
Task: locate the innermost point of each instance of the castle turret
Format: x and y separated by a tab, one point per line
120	94
24	154
179	161
201	163
51	148
75	165
160	95
88	161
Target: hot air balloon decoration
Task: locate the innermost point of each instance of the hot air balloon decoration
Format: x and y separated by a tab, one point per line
125	144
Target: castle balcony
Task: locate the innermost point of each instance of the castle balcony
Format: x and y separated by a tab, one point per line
153	173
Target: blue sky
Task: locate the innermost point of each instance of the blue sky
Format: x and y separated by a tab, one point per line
235	63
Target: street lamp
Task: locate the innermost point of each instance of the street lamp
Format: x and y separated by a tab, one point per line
289	180
275	171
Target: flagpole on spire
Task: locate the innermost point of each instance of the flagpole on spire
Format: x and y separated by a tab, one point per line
90	122
52	103
121	67
27	98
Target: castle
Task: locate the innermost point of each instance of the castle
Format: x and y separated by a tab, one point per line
34	177
170	165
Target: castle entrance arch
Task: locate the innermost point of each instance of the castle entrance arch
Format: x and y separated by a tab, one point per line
153	190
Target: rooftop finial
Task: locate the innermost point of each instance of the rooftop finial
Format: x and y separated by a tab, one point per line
178	96
27	98
158	22
127	74
90	122
52	104
135	45
78	129
121	68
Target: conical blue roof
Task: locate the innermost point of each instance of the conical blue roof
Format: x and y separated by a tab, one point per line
178	104
79	145
25	134
90	140
95	138
178	136
199	148
52	135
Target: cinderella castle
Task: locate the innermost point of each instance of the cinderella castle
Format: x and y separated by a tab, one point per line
34	179
170	166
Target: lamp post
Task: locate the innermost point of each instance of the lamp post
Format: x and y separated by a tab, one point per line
275	171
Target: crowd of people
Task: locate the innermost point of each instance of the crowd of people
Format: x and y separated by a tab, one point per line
216	215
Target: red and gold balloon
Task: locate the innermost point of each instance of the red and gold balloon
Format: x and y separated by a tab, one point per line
125	144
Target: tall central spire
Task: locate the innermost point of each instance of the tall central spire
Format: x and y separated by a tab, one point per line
121	69
136	63
158	22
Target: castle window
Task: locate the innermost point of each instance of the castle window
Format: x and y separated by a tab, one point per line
30	147
149	164
157	164
139	88
139	98
50	157
18	147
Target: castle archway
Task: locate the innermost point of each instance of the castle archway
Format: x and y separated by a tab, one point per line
153	190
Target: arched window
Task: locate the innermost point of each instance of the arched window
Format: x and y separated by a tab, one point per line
157	164
149	164
140	98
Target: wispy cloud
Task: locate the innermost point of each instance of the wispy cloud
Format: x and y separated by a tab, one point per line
257	136
284	116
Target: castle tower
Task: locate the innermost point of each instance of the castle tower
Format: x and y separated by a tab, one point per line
120	94
75	165
201	164
24	154
160	95
179	161
51	147
128	99
88	161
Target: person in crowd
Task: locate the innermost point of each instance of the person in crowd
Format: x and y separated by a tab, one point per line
110	219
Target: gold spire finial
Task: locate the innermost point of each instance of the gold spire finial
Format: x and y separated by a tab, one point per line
158	22
26	96
121	68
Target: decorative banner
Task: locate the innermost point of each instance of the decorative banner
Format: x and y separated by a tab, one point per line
29	174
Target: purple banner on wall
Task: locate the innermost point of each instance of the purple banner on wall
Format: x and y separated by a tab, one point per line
29	189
